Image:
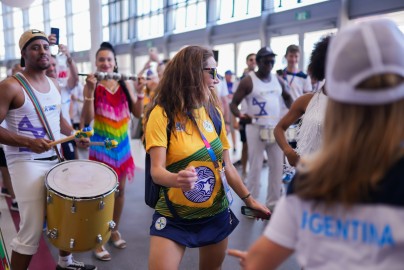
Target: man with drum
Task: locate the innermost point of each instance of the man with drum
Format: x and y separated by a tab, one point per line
262	91
29	155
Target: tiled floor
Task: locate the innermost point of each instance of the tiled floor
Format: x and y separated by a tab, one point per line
136	220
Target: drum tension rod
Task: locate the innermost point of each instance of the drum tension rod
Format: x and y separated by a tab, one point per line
71	243
112	225
73	208
102	203
49	198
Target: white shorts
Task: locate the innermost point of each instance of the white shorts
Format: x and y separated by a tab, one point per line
28	180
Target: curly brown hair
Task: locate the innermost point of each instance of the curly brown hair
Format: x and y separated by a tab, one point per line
182	88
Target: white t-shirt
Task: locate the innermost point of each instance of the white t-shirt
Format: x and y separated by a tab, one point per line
367	236
298	83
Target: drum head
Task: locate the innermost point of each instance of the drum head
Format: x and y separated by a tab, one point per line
81	179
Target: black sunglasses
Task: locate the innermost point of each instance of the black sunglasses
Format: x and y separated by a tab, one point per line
267	62
212	72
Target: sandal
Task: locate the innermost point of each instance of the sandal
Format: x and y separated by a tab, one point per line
120	243
102	255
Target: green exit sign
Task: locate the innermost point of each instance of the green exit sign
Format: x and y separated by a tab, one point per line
303	15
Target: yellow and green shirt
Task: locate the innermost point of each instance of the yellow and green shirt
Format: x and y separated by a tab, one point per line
187	149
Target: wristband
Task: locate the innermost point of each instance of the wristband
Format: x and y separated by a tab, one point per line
140	96
246	197
88	98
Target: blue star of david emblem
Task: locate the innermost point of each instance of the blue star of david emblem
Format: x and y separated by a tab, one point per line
261	105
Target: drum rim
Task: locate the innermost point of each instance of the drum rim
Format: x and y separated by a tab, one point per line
64	196
77	199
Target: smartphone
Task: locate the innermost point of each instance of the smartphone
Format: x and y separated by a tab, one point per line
54	48
248	211
55	31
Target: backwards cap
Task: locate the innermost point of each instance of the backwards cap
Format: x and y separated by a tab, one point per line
359	52
27	37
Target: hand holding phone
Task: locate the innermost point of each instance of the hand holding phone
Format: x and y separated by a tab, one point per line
55	31
250	212
54	41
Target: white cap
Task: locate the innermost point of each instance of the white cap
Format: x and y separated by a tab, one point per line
359	52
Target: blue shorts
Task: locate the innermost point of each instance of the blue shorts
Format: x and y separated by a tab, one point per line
195	232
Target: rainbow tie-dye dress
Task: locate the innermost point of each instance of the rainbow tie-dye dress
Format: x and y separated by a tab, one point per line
111	119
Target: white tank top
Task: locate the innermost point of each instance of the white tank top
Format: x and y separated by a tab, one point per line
264	101
24	121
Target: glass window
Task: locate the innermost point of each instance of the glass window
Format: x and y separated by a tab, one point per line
81	29
115	21
124	63
188	15
140	61
80	6
57	18
3	73
2	44
310	39
236	10
282	5
245	48
173	53
18	30
279	45
150	20
36	15
226	57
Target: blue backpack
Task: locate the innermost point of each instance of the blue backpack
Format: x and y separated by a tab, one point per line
152	190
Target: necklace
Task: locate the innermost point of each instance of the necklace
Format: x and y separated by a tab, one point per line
110	85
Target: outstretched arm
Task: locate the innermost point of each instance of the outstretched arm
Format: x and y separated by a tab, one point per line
263	254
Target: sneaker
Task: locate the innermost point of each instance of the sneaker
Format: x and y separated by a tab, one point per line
4	192
14	206
77	266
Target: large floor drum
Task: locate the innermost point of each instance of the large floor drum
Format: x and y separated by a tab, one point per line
80	204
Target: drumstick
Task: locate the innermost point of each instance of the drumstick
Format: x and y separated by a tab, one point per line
107	143
83	133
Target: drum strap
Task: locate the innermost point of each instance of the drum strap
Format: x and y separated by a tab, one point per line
27	87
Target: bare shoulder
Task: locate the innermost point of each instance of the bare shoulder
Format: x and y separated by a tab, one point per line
301	102
245	84
9	87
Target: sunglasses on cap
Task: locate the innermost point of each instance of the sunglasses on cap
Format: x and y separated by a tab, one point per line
212	72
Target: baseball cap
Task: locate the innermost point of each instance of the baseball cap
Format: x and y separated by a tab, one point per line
360	51
228	72
27	37
264	51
